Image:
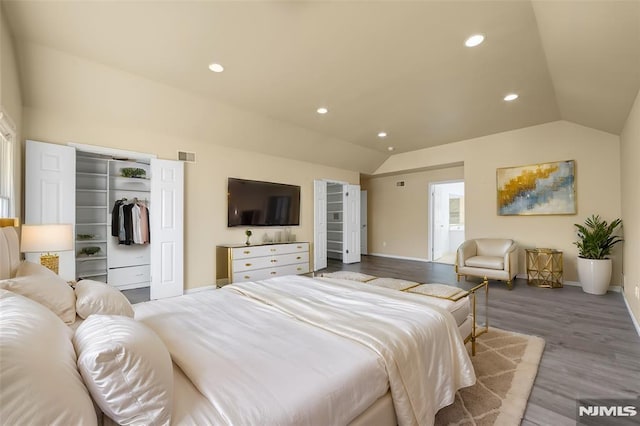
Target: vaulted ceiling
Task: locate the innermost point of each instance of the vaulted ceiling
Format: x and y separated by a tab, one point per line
393	66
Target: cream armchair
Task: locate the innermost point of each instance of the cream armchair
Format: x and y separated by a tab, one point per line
494	258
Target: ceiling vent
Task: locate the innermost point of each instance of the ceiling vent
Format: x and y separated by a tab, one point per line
189	157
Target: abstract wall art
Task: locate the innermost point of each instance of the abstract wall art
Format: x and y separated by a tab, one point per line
538	189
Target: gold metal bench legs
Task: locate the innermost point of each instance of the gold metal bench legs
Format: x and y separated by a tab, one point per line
475	330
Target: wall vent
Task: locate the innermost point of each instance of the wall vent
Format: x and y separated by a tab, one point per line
189	157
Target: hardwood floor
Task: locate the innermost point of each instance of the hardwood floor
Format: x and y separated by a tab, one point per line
592	348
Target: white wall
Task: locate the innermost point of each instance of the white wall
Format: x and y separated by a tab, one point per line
597	156
630	177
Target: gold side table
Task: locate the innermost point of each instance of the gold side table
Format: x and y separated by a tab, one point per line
544	267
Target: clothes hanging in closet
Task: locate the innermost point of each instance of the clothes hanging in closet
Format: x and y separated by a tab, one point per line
130	222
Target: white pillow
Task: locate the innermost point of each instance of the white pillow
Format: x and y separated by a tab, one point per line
40	383
29	268
94	297
46	288
127	369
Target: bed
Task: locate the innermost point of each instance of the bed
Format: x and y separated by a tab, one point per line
289	350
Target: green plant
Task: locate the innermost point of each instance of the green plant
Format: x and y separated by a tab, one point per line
596	237
132	172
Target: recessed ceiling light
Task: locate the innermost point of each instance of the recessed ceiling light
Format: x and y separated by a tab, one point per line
511	97
216	67
322	110
474	40
390	148
382	134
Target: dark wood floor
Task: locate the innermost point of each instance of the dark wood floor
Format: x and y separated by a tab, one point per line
592	348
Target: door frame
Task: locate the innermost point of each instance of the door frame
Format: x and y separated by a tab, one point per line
431	212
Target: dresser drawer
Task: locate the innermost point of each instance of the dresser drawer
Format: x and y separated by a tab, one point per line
262	274
267	250
131	275
122	255
269	261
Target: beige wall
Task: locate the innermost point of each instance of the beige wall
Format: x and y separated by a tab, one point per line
87	103
597	156
11	97
398	216
630	177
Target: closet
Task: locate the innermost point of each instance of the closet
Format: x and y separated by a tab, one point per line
336	222
80	184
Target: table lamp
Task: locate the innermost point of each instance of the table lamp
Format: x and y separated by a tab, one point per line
46	239
9	221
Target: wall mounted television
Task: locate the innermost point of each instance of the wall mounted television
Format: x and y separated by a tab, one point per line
257	203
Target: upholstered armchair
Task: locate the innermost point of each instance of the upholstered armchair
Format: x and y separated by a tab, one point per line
494	258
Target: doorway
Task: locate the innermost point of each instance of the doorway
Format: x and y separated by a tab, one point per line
446	225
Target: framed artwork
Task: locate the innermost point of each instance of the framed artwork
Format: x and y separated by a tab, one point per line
538	189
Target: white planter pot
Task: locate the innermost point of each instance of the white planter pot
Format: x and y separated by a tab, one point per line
594	275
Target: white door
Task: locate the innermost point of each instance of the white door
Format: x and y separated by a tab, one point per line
50	194
364	243
440	217
319	224
351	206
166	216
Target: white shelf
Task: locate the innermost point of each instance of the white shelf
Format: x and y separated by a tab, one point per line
90	190
91	174
90	241
91	224
334	251
91	274
85	258
91	207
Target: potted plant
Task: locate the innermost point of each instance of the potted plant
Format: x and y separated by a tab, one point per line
595	242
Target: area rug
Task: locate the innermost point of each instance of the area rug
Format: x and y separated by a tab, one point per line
506	365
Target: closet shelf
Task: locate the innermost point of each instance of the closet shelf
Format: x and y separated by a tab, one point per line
91	241
90	223
334	251
335	241
334	202
90	190
91	174
91	207
91	274
88	258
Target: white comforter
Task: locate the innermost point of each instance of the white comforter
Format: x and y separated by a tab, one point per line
419	343
256	364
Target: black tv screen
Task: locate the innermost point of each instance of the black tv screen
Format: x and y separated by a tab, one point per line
256	203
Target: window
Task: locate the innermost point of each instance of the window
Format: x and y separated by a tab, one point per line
456	210
7	137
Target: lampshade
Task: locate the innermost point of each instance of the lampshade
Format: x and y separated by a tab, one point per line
46	238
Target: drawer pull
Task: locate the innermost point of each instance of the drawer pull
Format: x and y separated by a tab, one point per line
247	276
299	269
247	264
247	251
273	249
298	258
139	275
273	273
274	261
299	247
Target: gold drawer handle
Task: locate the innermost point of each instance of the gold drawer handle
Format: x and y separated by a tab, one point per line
273	249
247	276
274	261
299	269
247	264
247	252
299	247
298	258
273	273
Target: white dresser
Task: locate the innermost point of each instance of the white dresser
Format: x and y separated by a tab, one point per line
237	263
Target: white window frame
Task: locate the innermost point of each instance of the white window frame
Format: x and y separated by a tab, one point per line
7	165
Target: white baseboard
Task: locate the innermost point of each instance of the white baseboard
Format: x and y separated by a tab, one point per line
199	289
392	256
633	318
